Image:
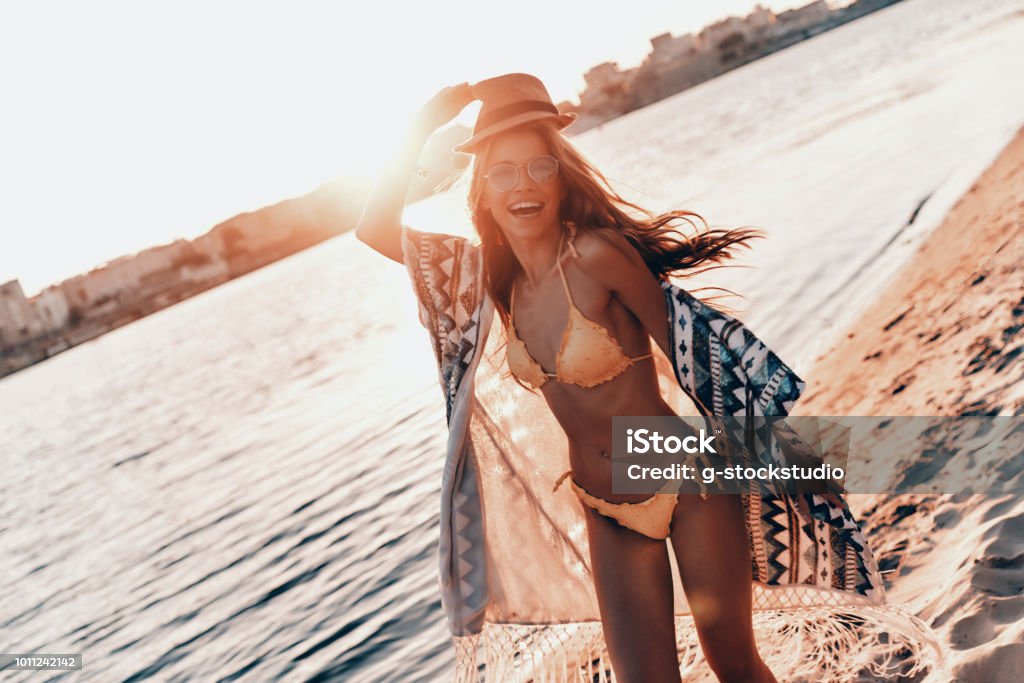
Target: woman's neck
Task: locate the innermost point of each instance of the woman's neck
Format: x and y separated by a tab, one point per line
538	256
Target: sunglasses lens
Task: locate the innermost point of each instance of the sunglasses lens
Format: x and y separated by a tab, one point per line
502	177
542	169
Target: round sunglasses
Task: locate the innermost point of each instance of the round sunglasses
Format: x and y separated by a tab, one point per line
503	177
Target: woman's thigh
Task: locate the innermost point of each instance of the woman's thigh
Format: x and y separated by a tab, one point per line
712	550
633	579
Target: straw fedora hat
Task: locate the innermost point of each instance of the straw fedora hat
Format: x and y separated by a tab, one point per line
509	101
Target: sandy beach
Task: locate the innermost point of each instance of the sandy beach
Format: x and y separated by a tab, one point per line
946	338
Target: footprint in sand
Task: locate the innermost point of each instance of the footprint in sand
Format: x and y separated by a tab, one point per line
997	578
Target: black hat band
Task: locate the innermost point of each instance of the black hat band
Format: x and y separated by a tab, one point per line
510	110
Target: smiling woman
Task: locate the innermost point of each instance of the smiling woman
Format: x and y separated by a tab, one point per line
582	283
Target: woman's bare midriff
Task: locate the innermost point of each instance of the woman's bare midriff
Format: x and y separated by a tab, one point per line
586	416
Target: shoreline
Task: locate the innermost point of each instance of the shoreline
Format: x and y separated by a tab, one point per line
951	316
946	337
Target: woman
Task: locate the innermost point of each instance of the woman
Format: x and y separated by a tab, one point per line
581	287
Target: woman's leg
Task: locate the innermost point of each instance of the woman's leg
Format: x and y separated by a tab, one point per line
710	541
633	579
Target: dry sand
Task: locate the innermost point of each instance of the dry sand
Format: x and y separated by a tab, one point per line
946	338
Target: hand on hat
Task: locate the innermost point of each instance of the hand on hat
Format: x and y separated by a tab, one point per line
445	105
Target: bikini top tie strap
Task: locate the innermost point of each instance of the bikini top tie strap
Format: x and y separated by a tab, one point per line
571	229
558	262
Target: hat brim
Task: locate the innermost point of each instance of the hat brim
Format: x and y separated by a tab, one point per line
467	147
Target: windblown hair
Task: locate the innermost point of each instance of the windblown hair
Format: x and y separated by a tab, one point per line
593	205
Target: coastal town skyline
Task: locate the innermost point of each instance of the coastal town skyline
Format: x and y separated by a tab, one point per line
158	135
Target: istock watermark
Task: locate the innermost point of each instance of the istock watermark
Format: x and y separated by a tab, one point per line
791	455
648	441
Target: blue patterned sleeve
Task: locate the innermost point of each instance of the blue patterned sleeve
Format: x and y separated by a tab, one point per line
724	364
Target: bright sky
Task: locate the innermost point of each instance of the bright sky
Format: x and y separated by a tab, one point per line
129	124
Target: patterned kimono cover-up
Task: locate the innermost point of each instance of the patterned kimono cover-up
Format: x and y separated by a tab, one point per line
514	562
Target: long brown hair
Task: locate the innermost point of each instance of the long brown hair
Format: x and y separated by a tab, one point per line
593	205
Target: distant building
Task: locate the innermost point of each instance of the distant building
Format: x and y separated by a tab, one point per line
210	244
209	264
18	322
802	18
608	90
761	18
603	75
51	308
126	279
268	228
106	283
666	47
214	271
723	31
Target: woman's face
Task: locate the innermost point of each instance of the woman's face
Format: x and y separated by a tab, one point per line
530	208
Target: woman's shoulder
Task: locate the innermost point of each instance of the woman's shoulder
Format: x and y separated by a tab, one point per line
600	248
597	242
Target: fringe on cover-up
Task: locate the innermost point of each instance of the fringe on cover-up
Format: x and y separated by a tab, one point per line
803	644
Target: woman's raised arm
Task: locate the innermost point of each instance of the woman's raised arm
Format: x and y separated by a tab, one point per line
380	226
